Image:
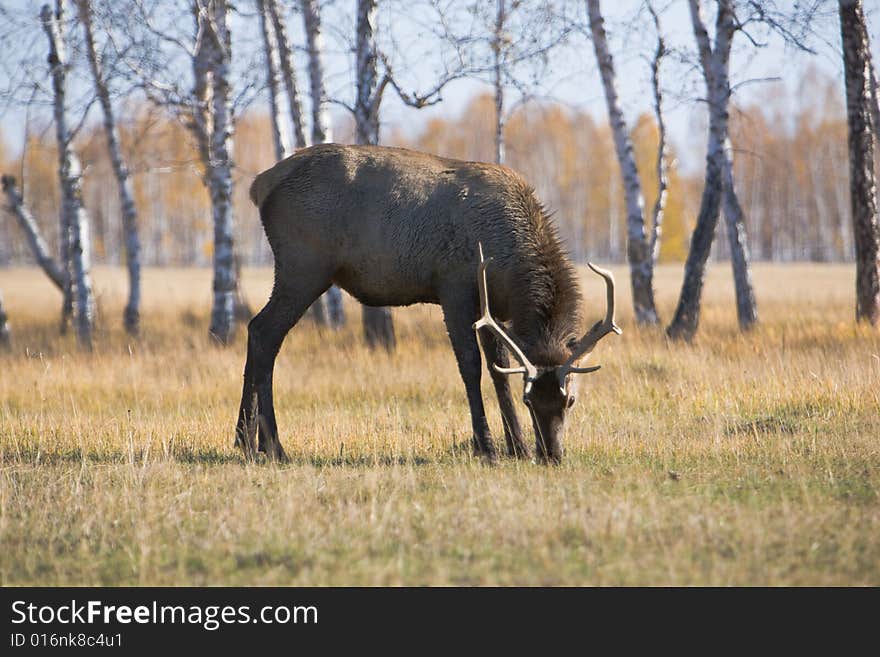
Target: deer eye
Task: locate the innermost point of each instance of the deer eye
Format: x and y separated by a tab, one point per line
570	402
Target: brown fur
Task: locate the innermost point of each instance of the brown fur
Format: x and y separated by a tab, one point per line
395	227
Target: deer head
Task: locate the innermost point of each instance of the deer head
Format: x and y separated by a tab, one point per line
547	390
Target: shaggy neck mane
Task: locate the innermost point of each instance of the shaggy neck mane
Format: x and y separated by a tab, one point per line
548	318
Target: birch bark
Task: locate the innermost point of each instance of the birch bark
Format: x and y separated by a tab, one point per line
280	137
638	249
5	337
75	224
659	209
718	187
219	44
16	206
861	139
131	314
498	78
321	128
288	72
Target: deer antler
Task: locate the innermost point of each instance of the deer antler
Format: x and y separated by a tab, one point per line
600	329
486	321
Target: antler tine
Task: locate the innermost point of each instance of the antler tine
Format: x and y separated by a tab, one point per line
609	297
487	321
586	344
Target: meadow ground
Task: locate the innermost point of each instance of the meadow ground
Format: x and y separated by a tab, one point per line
740	459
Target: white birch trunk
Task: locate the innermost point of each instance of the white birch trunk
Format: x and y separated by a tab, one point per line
131	314
718	187
280	138
70	176
378	324
719	100
331	301
662	168
201	123
687	313
220	173
16	206
861	141
638	249
498	78
746	305
5	336
322	131
288	72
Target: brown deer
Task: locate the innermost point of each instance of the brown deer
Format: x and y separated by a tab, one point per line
394	227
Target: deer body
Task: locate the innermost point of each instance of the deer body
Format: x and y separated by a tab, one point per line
395	227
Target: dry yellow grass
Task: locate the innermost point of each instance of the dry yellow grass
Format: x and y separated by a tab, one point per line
737	460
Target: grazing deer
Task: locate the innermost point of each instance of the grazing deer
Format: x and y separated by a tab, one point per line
394	227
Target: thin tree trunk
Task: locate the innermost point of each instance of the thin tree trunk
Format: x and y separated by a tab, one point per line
201	123
131	314
863	191
35	239
875	96
270	50
498	79
367	100
658	212
321	128
746	305
70	177
322	132
687	314
638	248
719	172
5	336
378	324
288	73
220	173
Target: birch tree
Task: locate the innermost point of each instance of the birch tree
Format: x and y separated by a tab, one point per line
861	142
74	220
288	73
280	137
662	166
207	110
498	51
5	337
213	19
718	186
321	127
639	253
131	314
16	207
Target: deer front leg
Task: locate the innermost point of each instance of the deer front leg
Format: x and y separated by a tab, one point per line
467	353
266	332
495	353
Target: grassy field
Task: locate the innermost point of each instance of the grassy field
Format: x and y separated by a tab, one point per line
737	460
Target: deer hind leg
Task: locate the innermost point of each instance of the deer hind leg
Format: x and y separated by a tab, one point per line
496	353
266	332
467	353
